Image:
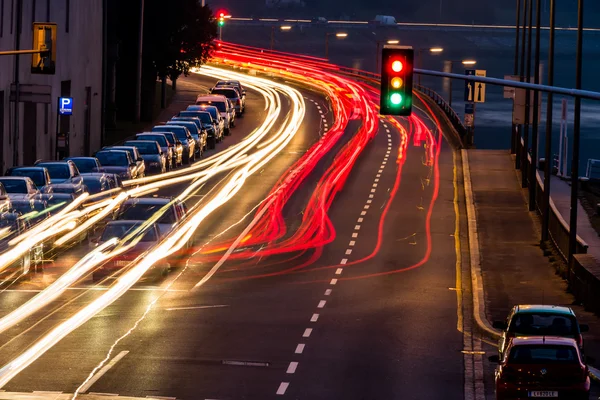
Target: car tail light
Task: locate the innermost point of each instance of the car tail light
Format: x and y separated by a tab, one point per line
579	340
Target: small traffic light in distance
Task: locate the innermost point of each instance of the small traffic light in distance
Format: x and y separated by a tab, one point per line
396	80
221	16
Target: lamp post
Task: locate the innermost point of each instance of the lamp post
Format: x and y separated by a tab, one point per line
339	35
432	50
466	63
284	28
379	42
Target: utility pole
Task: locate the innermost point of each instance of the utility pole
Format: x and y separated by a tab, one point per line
519	156
513	142
576	133
536	98
138	77
16	113
550	100
524	163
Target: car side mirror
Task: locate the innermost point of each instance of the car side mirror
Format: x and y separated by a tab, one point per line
584	328
499	325
494	359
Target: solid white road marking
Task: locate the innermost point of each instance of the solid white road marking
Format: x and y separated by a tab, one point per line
321	304
314	318
339	271
102	371
333	281
282	388
348	252
300	348
328	292
292	367
308	331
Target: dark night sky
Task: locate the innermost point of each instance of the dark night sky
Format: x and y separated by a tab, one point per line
459	11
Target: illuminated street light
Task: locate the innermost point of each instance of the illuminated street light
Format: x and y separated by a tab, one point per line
341	35
286	28
436	50
469	62
393	41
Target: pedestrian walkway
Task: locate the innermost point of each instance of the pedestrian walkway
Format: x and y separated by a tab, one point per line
513	266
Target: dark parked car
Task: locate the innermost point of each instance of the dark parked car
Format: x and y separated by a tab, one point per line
151	152
39	176
167	148
65	176
117	162
184	136
85	165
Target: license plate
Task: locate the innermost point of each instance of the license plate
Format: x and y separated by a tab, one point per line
543	393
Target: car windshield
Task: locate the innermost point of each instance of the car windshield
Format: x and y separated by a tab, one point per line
145	147
120	231
161	139
143	212
191	126
94	184
130	151
36	176
219	104
229	93
543	324
57	171
85	165
112	158
14	185
543	354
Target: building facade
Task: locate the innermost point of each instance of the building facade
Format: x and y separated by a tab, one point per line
29	128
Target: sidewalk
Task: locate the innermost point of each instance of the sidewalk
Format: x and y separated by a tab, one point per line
513	267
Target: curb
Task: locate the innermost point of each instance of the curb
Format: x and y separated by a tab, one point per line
474	254
475	257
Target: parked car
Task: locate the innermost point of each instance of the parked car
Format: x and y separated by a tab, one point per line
546	367
39	176
19	187
184	136
85	165
11	226
233	95
4	200
99	182
233	83
55	202
32	210
143	208
224	107
198	133
214	126
166	147
117	162
135	156
540	320
151	152
125	230
65	176
177	148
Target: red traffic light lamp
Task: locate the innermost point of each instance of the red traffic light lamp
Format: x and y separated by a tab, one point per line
396	80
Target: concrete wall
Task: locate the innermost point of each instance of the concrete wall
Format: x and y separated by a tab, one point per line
79	59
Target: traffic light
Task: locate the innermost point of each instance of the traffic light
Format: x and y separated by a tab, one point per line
44	40
396	80
221	18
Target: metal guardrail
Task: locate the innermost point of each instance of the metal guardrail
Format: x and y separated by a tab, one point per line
444	106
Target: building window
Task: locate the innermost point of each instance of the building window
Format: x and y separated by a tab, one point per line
33	11
68	15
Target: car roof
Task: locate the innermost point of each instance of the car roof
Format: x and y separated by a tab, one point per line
211	97
543	340
536	308
119	147
61	162
112	151
36	168
15	178
149	133
141	141
149	200
78	158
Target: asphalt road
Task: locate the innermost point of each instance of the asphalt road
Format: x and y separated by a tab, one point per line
379	329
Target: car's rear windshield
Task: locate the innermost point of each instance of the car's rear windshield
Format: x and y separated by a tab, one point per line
57	171
85	165
161	139
143	147
130	151
112	158
14	185
178	131
36	176
143	212
219	104
543	354
540	324
192	127
120	231
229	93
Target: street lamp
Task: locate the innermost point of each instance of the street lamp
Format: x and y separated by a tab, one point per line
379	42
283	28
339	35
466	63
432	50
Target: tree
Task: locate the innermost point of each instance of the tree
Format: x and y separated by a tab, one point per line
178	35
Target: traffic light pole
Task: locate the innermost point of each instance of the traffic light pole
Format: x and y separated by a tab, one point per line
17	52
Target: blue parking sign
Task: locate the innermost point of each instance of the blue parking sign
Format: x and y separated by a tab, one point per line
65	106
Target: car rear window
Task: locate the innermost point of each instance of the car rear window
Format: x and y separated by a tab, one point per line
143	212
144	148
229	93
14	186
540	324
57	171
543	354
112	158
85	166
36	176
219	104
161	139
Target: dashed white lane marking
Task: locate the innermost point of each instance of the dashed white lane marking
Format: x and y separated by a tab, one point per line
321	304
363	213
367	206
299	348
314	318
308	331
373	190
357	227
339	271
352	243
360	220
102	371
374	185
369	201
282	388
355	235
328	292
292	367
371	196
378	175
348	252
333	281
381	171
344	261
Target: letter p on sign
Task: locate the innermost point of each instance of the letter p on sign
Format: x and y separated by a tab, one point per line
65	106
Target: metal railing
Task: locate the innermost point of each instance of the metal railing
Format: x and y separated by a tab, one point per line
444	106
